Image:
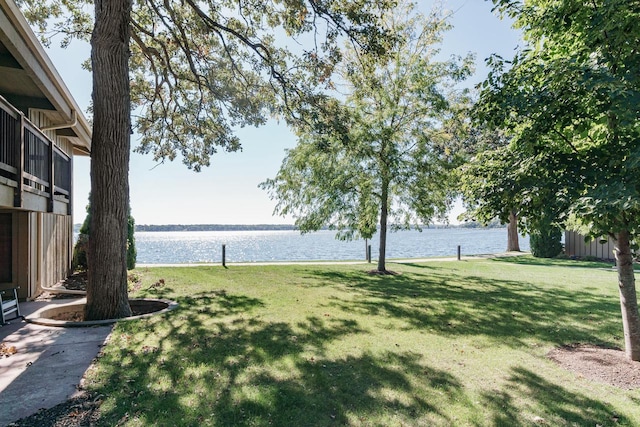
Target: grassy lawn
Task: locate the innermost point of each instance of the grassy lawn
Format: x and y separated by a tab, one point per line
442	344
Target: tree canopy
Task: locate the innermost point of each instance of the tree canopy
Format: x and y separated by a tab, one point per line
570	101
573	93
387	151
201	68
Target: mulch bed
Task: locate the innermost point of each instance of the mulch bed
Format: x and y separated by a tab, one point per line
76	282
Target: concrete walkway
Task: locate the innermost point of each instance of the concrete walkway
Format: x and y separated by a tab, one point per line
48	365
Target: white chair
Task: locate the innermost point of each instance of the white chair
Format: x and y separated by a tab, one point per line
9	303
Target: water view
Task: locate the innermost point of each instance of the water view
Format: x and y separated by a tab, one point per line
177	247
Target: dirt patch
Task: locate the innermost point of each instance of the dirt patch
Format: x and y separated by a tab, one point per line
139	307
607	365
382	273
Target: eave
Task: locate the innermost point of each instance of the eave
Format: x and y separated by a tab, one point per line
29	80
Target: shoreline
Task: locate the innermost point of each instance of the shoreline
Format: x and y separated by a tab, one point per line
337	262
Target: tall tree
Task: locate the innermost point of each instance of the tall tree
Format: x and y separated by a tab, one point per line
192	71
107	292
573	95
386	152
518	188
489	183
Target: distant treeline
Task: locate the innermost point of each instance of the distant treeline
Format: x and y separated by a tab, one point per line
214	227
495	223
266	227
273	227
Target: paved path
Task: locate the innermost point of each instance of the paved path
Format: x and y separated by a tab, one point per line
48	365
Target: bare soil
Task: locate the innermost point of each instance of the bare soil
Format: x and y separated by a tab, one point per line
606	365
69	316
382	273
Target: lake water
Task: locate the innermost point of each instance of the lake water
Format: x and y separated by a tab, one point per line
179	247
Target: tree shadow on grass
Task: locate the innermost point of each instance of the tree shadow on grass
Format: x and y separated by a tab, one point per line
552	262
422	266
547	404
506	310
350	390
211	362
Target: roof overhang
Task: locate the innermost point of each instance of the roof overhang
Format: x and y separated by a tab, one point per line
29	80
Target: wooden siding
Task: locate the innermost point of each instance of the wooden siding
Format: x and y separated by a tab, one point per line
575	246
56	247
42	243
6	248
39	233
25	271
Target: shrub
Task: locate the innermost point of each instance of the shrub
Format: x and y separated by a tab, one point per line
546	242
79	260
132	254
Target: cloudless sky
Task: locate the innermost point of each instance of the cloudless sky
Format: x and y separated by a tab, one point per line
227	192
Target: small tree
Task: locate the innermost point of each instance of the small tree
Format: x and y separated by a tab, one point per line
81	248
385	156
519	188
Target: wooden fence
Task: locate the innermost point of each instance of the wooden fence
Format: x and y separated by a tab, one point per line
575	246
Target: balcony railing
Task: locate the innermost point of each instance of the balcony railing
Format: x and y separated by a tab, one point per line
30	161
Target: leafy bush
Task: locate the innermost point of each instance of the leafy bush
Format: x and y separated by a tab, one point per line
79	260
132	254
80	250
546	242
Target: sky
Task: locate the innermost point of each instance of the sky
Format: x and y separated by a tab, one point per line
227	192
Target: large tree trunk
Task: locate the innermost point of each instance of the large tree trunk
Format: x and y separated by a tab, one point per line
384	213
107	280
628	296
513	244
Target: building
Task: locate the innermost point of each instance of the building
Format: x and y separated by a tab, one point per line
41	129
